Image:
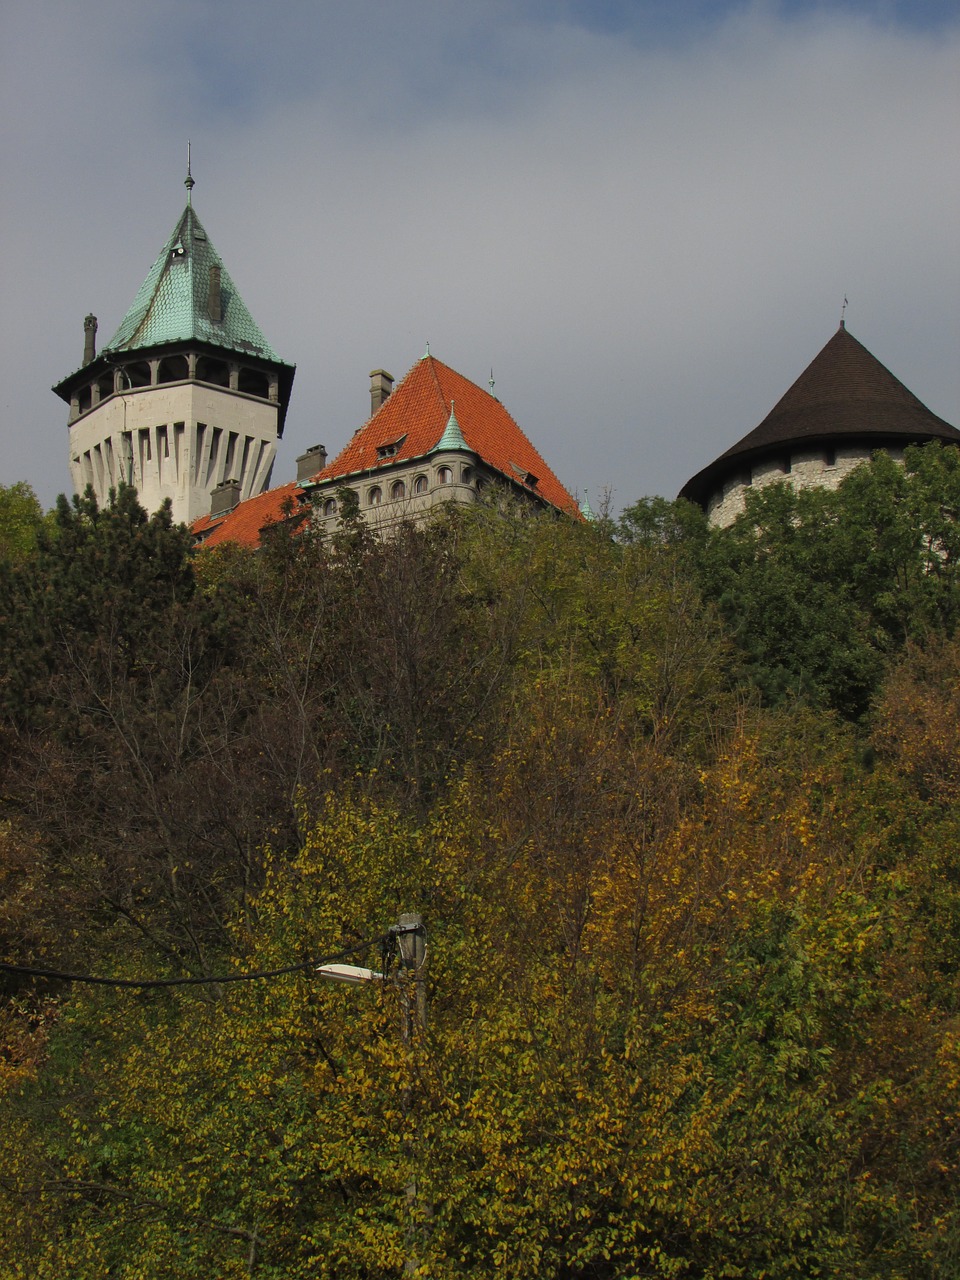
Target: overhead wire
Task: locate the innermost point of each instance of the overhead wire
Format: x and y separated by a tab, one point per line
90	979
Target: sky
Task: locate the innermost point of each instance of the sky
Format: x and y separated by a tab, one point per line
642	215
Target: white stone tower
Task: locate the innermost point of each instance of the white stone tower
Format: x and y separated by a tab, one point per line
187	400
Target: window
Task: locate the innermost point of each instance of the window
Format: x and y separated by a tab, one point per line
390	448
398	490
465	475
375	496
830	458
420	485
330	507
253	382
445	475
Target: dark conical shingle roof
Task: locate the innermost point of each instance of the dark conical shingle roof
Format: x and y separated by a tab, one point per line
844	395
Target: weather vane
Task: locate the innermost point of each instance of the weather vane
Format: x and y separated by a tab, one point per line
188	181
843	312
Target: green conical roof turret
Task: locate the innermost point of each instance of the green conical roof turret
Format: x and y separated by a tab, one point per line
188	296
452	437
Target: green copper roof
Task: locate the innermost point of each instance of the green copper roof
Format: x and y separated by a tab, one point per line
173	302
452	437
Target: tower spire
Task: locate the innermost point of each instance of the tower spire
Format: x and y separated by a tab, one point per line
188	181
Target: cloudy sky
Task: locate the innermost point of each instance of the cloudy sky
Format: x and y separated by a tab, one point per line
643	215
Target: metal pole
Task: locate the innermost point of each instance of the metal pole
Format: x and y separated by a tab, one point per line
411	939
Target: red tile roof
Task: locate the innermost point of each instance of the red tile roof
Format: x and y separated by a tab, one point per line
415	415
413	418
246	521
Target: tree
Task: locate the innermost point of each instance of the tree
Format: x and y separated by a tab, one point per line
21	519
821	589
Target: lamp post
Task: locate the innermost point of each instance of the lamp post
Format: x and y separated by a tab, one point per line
411	941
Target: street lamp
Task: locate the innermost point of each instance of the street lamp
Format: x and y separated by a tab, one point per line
352	973
410	938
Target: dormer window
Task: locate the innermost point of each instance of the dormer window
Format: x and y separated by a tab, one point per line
390	448
524	476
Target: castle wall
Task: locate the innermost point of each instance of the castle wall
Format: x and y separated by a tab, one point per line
810	469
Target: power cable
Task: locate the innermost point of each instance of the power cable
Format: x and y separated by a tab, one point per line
88	978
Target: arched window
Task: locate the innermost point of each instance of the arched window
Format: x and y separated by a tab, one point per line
254	383
173	369
398	490
445	475
135	375
420	485
215	371
330	507
465	475
375	496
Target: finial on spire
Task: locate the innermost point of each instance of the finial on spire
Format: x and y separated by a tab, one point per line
427	352
188	181
843	312
490	382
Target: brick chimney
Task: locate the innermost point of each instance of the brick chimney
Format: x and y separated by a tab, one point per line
309	463
381	384
89	339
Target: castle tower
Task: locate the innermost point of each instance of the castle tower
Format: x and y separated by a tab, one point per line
187	397
843	407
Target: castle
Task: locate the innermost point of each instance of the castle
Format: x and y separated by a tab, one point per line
187	401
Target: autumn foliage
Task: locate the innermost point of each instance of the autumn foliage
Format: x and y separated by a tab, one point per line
693	911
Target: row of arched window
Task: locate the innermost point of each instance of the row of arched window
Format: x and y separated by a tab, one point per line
374	496
135	374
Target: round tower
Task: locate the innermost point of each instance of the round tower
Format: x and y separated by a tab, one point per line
843	407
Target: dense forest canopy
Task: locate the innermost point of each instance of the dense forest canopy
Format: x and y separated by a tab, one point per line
678	807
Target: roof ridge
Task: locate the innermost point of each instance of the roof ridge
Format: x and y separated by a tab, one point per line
433	362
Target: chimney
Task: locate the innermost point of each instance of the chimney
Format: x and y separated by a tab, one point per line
89	339
224	498
309	463
381	384
214	308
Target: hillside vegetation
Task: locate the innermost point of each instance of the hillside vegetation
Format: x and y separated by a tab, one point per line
679	808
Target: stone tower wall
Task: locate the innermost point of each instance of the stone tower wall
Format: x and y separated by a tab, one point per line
803	469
